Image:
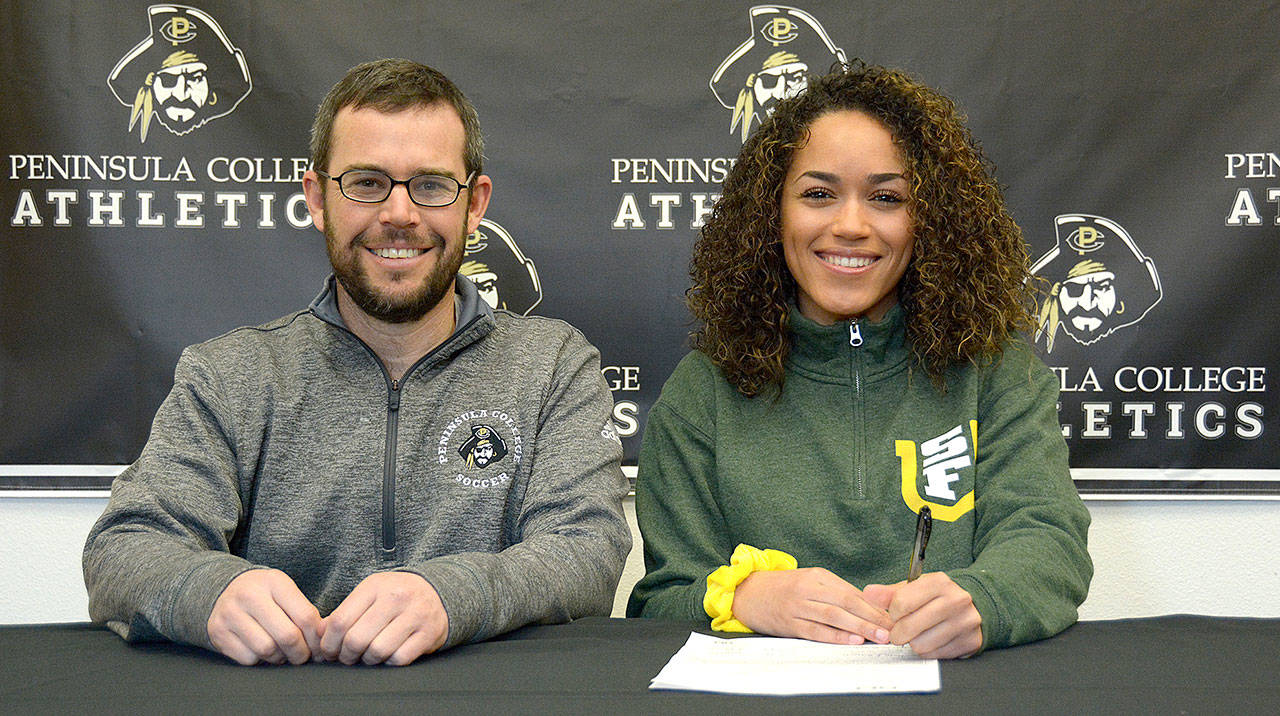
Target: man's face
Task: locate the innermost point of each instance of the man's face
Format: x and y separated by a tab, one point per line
1087	302
181	93
483	455
396	260
778	83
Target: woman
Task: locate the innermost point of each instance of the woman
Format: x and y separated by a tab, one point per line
862	292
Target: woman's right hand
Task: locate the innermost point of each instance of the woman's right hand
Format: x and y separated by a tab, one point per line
809	603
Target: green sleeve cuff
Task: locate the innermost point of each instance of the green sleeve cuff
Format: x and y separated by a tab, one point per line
994	631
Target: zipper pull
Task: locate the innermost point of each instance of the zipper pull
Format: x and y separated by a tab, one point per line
855	333
393	396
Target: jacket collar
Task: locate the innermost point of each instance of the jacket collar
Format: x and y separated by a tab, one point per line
827	350
468	305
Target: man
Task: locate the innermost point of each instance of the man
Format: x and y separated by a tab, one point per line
395	470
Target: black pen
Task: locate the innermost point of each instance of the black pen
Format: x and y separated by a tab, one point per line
924	525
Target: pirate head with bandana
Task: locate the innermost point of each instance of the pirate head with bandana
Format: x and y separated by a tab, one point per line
504	276
1099	281
185	73
785	46
485	446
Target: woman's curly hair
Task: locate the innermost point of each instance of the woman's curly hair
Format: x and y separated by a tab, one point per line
967	290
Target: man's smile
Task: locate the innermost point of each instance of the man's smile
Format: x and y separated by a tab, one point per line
397	253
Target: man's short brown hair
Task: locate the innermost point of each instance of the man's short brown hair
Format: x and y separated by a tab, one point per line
392	85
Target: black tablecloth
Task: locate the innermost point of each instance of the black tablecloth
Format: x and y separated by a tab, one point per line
1177	664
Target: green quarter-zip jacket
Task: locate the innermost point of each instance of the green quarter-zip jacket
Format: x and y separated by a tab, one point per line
835	469
491	469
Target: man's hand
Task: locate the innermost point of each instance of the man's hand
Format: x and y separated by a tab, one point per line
263	616
809	603
390	617
933	614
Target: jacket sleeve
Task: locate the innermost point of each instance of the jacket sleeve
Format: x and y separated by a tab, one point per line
157	559
1031	566
685	538
572	536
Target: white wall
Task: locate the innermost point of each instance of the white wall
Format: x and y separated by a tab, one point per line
1150	557
40	544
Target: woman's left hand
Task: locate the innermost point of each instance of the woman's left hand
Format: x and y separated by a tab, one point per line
932	614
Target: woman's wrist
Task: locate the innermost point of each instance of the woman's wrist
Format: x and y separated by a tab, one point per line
723	582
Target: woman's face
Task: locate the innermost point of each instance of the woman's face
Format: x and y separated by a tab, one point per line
846	232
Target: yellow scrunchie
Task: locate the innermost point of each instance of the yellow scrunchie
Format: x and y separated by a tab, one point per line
721	583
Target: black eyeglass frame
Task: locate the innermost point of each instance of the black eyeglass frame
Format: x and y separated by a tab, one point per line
396	182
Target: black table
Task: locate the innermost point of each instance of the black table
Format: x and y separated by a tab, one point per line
1165	665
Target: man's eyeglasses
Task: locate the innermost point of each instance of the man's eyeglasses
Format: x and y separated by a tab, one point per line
370	186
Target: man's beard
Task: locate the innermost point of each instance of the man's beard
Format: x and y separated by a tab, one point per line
394	309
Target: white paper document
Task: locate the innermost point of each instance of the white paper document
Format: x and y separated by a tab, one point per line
784	667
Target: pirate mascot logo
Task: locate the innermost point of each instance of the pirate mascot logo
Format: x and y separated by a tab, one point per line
1100	281
495	264
484	447
184	74
786	46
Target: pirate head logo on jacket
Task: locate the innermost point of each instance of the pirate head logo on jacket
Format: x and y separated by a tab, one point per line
185	73
1100	281
500	271
785	46
484	447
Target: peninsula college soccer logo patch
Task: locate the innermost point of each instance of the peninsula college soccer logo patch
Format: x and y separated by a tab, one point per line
1100	281
485	445
786	45
185	73
505	278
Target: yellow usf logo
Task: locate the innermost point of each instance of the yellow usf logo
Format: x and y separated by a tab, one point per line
940	458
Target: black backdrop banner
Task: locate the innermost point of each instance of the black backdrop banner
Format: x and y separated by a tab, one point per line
151	198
